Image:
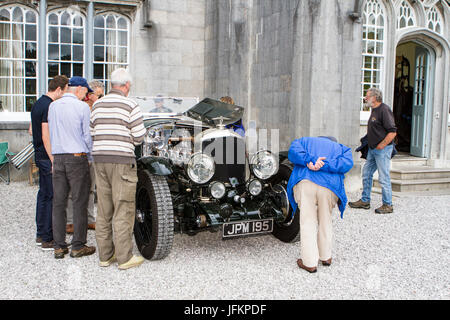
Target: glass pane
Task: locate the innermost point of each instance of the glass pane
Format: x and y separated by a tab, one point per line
98	71
4	15
78	69
17	49
5	86
30	85
367	62
65	35
99	54
53	70
111	54
77	53
402	23
111	37
65	19
53	19
380	34
18	87
29	103
66	53
99	36
30	52
5	68
78	36
17	15
438	28
31	17
78	21
122	23
5	31
17	32
370	47
30	32
30	69
379	48
99	22
65	69
53	34
53	52
371	33
5	49
122	55
123	38
110	22
17	104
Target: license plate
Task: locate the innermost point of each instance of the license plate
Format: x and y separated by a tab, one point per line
241	228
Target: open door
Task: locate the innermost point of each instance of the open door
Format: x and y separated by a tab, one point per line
418	130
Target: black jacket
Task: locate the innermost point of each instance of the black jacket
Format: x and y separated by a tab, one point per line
364	148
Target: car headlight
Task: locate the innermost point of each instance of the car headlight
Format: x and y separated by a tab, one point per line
217	190
254	187
264	164
200	168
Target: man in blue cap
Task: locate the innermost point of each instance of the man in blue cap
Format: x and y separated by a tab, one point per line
316	185
71	144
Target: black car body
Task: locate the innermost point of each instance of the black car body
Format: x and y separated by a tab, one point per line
195	175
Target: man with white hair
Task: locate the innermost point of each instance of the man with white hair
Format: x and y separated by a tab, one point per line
117	126
68	121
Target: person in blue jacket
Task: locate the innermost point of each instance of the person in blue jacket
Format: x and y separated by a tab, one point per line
237	126
316	185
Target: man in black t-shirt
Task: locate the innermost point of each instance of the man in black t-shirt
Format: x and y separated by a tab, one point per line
44	159
381	131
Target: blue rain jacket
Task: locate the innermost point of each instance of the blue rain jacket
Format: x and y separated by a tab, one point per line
338	161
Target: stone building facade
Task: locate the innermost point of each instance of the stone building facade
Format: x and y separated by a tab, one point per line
300	66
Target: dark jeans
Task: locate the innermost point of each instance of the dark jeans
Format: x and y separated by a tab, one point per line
44	201
70	173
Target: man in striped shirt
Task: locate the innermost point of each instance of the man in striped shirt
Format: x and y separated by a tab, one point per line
117	126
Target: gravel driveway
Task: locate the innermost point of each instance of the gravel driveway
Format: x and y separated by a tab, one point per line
404	255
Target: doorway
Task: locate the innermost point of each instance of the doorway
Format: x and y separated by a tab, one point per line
411	98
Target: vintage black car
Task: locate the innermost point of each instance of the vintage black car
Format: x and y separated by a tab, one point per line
194	175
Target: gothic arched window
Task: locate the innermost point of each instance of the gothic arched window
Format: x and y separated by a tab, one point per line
111	45
405	15
373	46
18	58
65	55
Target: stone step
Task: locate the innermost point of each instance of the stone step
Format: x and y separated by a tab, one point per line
436	184
419	173
412	161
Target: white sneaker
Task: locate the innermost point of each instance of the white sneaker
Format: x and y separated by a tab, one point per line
108	262
133	262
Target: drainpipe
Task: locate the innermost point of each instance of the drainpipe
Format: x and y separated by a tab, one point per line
42	54
89	57
356	14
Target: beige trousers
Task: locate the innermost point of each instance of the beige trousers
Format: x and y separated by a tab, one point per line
116	192
316	204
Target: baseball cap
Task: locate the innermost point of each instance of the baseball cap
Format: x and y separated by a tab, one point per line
79	81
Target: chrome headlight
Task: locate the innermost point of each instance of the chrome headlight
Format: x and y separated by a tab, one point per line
264	164
201	168
217	190
254	187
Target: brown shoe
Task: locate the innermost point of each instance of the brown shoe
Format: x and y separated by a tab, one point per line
91	226
84	251
359	204
302	266
384	209
48	246
69	228
59	253
326	263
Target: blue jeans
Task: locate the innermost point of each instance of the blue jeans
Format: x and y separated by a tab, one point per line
44	201
378	160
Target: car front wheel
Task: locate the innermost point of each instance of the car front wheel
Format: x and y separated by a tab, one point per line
154	223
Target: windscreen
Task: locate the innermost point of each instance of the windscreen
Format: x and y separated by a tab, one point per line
165	105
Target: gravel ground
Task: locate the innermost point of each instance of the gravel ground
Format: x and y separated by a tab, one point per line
399	256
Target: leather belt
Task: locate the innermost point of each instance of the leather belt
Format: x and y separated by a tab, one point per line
79	154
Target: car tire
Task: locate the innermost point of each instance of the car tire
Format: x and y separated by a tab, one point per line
288	230
154	222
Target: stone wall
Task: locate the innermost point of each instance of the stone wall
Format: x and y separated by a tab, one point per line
168	58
